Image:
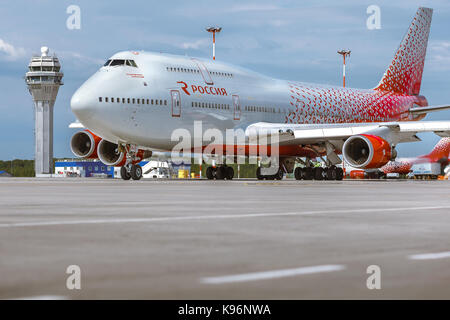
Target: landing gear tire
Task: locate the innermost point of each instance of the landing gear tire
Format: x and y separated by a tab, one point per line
220	173
229	173
124	173
258	174
210	173
318	173
339	174
298	173
331	173
136	172
308	173
279	175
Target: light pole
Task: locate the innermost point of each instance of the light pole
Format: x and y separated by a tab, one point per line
213	30
344	53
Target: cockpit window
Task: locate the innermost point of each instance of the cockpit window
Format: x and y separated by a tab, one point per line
118	62
132	63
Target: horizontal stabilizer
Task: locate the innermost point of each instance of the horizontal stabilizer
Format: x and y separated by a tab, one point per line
424	110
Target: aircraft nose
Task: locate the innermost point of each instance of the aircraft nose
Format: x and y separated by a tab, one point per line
81	104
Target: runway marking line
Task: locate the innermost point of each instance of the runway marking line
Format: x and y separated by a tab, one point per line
430	256
274	274
43	297
208	217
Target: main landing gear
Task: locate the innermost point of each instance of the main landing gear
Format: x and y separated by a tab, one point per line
319	173
220	173
277	176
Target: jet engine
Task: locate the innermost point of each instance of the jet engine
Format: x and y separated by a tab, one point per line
366	151
84	144
109	153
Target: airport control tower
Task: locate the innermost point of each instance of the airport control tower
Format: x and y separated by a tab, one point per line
43	80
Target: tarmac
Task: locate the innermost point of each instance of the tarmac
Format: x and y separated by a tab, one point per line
240	239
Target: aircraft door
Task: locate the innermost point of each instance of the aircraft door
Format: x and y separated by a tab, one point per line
236	107
204	71
176	103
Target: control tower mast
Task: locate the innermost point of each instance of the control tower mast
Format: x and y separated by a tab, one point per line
43	80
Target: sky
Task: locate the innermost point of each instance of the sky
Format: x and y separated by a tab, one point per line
294	40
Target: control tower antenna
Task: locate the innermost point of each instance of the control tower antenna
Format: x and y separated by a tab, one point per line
43	80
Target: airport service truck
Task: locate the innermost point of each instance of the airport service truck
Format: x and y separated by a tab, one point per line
426	170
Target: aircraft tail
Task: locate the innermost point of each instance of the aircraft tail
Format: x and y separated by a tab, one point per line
404	74
440	151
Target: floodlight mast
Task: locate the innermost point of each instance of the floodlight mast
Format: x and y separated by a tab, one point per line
344	53
213	30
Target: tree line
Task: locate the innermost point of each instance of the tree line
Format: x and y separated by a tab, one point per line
18	167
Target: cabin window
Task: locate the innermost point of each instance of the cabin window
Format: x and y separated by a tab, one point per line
134	101
106	99
99	99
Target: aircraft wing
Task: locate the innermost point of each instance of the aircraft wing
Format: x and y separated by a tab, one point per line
428	109
395	132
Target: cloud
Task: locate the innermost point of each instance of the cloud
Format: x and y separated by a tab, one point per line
440	55
195	44
253	7
11	52
71	55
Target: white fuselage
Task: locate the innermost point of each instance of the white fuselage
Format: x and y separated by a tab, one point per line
116	102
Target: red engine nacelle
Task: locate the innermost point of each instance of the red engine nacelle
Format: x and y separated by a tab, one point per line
366	151
84	144
109	154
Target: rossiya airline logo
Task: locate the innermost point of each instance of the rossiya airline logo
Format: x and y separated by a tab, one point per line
202	89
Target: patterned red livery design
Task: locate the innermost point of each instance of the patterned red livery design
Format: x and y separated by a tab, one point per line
440	153
391	100
404	75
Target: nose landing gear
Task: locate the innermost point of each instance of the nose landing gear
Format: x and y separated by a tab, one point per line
131	170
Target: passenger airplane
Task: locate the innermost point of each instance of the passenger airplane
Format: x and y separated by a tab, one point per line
132	105
440	153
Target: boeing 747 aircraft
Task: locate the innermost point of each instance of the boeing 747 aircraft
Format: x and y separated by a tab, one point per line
133	104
